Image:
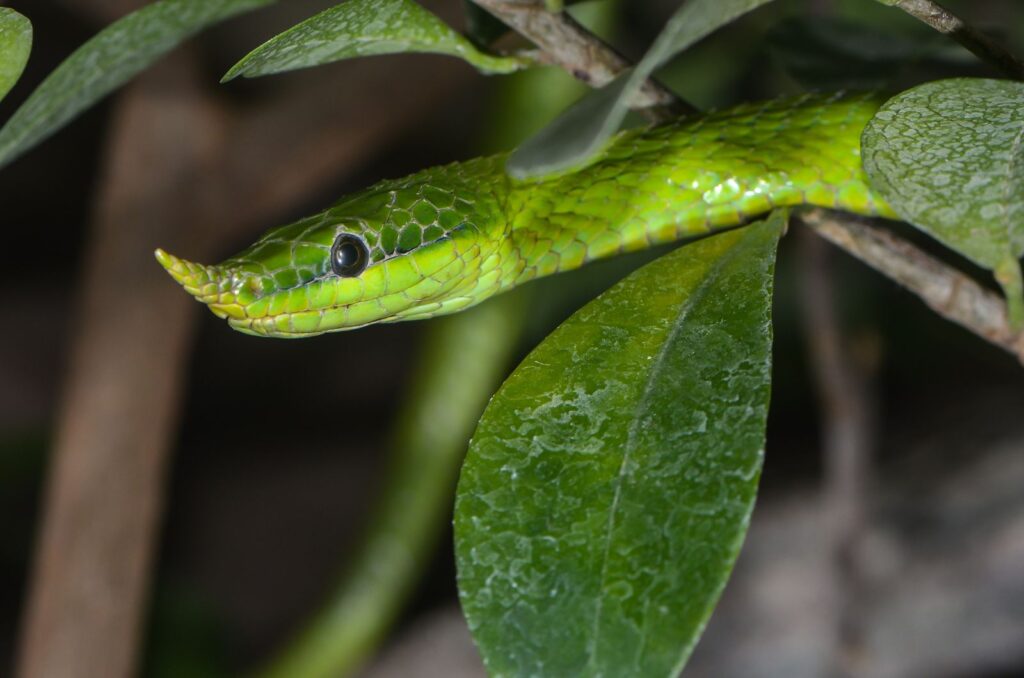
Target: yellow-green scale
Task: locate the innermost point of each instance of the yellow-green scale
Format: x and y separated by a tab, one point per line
689	178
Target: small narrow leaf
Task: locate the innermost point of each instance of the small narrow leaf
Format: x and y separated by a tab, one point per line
691	22
610	482
949	157
107	61
15	45
363	28
570	135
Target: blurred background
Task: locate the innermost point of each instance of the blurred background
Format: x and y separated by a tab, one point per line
239	473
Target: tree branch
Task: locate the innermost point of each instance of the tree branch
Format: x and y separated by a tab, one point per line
947	291
978	43
566	44
843	382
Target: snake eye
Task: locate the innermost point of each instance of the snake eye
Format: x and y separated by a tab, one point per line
349	255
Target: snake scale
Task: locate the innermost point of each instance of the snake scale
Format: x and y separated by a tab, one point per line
449	237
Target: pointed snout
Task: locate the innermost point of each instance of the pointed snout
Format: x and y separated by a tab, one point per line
198	280
208	284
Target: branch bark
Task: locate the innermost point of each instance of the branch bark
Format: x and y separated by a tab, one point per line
566	44
948	292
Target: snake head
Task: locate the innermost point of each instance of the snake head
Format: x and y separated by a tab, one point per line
395	252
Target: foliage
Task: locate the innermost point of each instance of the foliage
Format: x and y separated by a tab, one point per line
104	63
570	140
610	482
964	134
364	28
15	45
611	479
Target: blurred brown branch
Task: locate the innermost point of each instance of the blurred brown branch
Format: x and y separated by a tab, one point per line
184	171
843	384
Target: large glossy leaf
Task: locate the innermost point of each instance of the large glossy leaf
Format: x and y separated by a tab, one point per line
363	28
949	158
610	482
15	45
107	61
574	143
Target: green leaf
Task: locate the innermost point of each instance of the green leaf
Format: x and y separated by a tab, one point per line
15	45
949	157
570	135
363	28
546	153
107	61
610	482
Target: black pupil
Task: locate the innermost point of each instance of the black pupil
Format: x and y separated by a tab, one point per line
348	257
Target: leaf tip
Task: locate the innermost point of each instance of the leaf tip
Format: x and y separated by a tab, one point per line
235	71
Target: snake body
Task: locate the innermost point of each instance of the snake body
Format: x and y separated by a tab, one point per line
449	237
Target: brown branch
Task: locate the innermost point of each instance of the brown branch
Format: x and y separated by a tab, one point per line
566	44
947	291
843	380
978	43
119	403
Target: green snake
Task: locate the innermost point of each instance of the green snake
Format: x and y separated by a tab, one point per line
449	237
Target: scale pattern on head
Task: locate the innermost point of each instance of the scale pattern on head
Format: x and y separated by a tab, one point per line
399	249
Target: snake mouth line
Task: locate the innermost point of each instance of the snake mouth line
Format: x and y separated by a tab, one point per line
213	286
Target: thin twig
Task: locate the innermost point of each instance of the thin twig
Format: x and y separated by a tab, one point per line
947	291
843	380
981	45
570	46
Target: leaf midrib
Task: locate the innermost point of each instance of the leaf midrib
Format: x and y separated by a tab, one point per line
642	405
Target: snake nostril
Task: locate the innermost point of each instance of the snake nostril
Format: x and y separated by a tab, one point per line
258	286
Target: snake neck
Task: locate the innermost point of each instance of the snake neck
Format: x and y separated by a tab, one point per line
692	177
